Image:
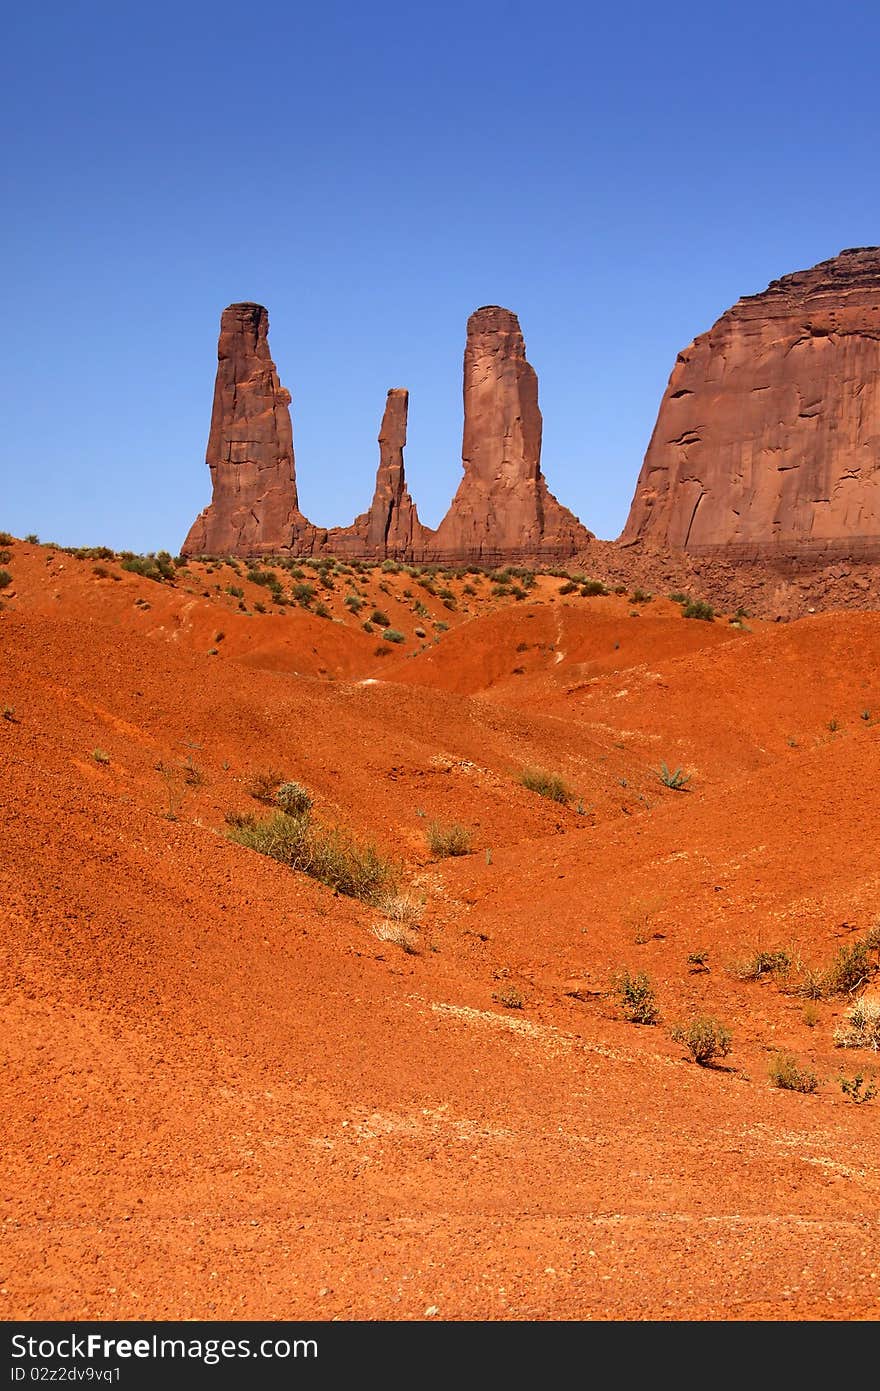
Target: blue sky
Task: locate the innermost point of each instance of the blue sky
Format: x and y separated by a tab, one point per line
616	175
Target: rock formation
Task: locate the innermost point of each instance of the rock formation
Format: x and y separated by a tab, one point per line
503	510
503	507
768	437
391	528
254	508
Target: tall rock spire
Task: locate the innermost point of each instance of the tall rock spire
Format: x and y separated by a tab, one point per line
503	506
391	527
254	506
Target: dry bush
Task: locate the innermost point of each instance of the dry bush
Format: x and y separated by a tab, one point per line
549	785
324	853
448	838
789	1077
761	963
264	784
861	1028
402	908
400	935
704	1038
636	996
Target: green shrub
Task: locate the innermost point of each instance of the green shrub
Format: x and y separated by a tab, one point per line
851	968
322	611
5	579
698	608
392	635
641	596
675	778
326	854
679	598
855	1089
549	785
380	618
591	587
446	839
293	798
704	1038
6	538
509	998
636	996
353	602
569	588
761	963
789	1077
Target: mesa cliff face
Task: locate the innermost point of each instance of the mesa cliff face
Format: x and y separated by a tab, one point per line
503	510
768	437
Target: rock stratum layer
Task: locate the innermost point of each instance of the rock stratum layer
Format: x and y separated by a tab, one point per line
768	437
503	510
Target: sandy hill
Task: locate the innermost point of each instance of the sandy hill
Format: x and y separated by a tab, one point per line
226	1095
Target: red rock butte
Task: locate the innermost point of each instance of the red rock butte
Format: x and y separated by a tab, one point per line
502	512
768	437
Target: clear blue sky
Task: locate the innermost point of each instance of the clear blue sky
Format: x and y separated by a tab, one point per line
616	174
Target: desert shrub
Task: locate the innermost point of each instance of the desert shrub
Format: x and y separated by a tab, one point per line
380	618
591	587
861	1026
33	539
851	968
400	935
500	591
636	996
679	598
549	785
448	838
698	608
259	606
392	635
353	602
509	998
240	819
705	1039
322	611
100	756
786	1074
856	1090
264	784
676	778
368	627
5	557
158	567
235	590
641	596
293	798
569	588
698	960
324	853
401	908
6	538
761	963
303	593
5	579
440	627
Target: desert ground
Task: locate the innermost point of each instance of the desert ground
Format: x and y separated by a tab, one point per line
230	1091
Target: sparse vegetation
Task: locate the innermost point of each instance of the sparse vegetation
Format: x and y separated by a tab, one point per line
705	1039
698	608
380	618
676	778
326	854
851	968
509	998
293	798
641	596
786	1073
400	935
861	1026
5	579
857	1089
392	635
698	961
264	784
549	785
761	963
592	587
100	756
448	838
637	999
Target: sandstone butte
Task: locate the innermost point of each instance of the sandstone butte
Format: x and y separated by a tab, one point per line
502	511
768	438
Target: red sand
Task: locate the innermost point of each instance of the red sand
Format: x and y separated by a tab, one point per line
224	1097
